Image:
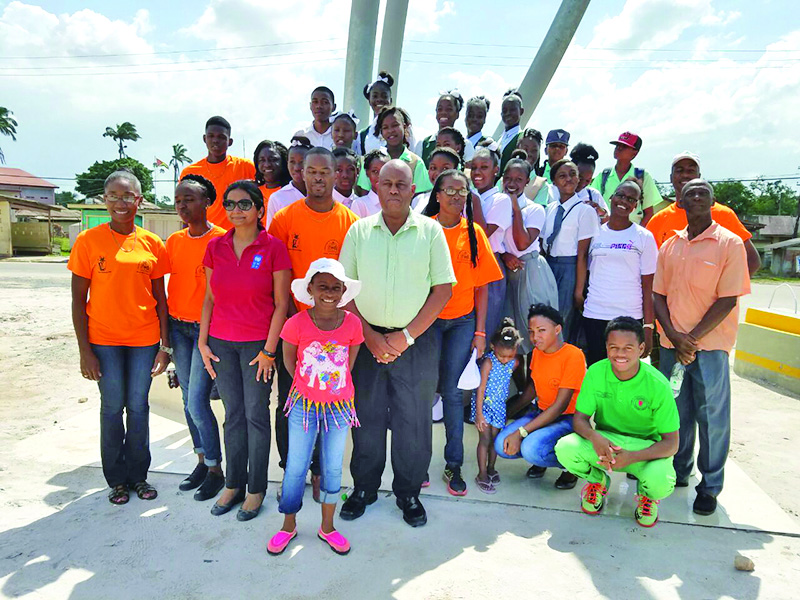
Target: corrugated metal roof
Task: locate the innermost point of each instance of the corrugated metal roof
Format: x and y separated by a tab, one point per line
18	177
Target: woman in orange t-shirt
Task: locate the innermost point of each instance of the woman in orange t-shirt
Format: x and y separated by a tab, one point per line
120	268
186	291
461	326
272	169
557	371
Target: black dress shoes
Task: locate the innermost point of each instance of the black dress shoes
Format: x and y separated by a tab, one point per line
212	484
195	479
356	504
413	511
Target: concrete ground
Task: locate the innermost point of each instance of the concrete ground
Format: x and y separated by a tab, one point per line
60	538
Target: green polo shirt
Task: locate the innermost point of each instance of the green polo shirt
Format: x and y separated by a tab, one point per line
641	407
651	196
421	179
396	271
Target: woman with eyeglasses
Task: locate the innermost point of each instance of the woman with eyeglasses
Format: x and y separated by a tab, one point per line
119	311
247	295
461	326
622	262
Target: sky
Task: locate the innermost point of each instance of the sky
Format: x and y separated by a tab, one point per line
721	79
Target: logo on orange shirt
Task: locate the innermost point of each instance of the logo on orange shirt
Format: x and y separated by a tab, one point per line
144	267
295	244
332	248
101	264
464	257
200	271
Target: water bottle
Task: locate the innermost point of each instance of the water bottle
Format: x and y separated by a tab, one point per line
676	378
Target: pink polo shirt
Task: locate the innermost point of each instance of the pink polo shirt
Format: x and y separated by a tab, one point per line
242	288
693	274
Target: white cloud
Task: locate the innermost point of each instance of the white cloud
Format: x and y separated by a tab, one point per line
424	16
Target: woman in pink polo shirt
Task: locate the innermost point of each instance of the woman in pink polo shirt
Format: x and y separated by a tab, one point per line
248	273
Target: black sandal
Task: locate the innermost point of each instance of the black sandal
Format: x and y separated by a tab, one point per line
119	495
145	491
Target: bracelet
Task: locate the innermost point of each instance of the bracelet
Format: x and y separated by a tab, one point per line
480	334
269	354
167	349
649	326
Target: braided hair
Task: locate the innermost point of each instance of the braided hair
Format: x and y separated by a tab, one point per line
433	207
208	188
283	152
457	137
399	114
535	135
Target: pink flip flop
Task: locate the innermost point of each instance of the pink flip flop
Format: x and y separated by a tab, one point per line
279	542
336	541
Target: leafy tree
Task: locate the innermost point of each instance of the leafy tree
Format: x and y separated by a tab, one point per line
123	133
66	197
179	158
774	198
8	126
736	196
90	183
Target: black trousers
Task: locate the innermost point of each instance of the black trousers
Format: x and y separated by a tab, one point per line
595	330
398	396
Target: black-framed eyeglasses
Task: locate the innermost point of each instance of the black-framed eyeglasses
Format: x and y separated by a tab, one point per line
126	198
463	192
244	205
622	196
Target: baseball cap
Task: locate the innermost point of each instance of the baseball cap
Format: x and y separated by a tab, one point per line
631	140
686	154
557	136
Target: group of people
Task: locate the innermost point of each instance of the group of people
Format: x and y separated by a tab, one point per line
363	277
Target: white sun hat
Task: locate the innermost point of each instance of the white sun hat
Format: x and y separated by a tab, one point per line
325	265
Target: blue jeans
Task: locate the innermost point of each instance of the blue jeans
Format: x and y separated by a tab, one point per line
455	337
195	385
301	447
125	384
496	303
538	448
704	404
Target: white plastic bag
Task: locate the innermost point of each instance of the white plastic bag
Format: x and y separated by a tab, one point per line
471	377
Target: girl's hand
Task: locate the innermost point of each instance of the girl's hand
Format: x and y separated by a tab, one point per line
512	443
512	262
90	366
479	344
160	364
480	422
208	356
579	300
265	366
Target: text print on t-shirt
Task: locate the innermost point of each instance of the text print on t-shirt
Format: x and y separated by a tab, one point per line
325	366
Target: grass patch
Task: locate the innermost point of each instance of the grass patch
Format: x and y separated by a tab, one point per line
767	276
64	243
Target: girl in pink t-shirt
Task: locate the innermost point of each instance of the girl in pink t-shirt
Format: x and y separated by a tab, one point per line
319	347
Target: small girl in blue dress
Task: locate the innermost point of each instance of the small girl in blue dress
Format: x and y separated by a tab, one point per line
489	401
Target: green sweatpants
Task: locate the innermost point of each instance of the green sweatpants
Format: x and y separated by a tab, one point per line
577	455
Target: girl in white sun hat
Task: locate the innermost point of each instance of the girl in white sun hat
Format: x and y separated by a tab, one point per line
320	346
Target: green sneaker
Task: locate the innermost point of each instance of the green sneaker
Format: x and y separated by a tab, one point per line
646	512
593	496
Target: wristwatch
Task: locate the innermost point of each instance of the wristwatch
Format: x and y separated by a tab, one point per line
167	349
409	339
649	326
268	354
523	433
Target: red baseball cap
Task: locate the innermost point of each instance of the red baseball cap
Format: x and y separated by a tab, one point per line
631	140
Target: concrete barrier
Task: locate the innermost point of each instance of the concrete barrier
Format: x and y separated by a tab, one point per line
768	347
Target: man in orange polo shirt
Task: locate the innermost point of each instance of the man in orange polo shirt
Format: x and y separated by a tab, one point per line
219	168
312	228
701	272
664	224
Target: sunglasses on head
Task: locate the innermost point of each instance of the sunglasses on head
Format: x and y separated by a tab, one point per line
244	205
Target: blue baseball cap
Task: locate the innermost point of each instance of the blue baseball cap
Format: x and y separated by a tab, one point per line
558	136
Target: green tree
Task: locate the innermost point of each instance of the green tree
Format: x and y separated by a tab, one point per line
736	196
774	198
66	197
90	182
123	133
179	158
8	126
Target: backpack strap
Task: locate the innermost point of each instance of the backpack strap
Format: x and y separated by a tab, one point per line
604	181
363	137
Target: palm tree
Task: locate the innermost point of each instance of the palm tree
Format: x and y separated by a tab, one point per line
8	126
126	131
178	159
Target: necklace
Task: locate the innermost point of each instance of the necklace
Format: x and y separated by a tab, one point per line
313	320
197	237
113	237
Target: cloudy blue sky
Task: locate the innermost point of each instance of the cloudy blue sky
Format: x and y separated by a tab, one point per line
719	78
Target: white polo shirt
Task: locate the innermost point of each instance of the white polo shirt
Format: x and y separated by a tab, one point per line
533	216
496	211
580	223
323	140
365	206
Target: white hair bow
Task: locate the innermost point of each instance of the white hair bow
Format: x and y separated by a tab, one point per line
350	114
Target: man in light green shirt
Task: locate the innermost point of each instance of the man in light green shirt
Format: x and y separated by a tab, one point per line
403	263
626	147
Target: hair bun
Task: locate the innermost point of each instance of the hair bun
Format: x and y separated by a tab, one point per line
519	153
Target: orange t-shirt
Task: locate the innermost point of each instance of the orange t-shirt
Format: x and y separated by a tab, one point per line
564	368
187	275
222	175
266	192
666	222
121	306
468	277
310	235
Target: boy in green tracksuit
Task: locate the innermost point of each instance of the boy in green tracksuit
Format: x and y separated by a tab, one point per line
636	425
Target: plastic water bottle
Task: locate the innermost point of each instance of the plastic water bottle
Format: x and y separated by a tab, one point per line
676	378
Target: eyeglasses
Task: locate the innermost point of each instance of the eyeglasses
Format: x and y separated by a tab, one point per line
463	192
244	205
126	198
622	196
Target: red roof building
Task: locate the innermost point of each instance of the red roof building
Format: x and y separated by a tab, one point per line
21	184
